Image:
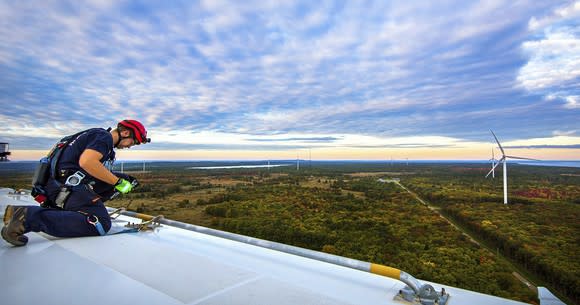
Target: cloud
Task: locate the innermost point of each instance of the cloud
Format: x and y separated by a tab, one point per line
553	68
566	12
290	73
560	141
573	102
565	133
554	60
574	146
309	139
570	102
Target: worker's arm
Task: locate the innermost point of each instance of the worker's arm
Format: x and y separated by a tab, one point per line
90	162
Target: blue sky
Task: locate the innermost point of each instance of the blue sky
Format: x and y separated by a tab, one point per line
363	78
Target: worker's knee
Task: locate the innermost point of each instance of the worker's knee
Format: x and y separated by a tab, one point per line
106	223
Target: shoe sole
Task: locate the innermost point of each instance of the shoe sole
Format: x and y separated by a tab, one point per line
18	243
19	240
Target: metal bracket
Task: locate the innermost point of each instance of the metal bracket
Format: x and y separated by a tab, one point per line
116	213
148	225
427	296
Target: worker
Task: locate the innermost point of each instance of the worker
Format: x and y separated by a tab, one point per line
78	186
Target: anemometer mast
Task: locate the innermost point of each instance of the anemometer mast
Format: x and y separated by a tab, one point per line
4	152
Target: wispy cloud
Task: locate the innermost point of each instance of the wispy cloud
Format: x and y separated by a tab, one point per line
565	133
560	141
574	146
310	139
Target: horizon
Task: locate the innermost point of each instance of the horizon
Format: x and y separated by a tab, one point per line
293	161
259	80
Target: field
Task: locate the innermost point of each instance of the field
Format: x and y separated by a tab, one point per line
343	208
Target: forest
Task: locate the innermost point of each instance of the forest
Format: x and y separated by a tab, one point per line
343	209
539	228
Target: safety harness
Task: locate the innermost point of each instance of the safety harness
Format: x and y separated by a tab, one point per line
47	168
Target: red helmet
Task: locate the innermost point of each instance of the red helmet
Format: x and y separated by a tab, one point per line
139	131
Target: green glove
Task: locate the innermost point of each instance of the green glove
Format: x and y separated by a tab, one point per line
123	186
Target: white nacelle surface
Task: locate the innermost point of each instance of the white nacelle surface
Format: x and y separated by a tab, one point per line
175	266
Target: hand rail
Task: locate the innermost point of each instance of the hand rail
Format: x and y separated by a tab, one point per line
423	291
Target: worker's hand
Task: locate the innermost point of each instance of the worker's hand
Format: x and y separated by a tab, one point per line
133	180
123	186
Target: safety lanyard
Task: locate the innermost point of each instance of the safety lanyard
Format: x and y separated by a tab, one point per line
100	229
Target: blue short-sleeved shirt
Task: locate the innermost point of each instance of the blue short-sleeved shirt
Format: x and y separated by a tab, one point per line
97	139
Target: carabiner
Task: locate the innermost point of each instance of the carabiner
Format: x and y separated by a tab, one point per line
97	224
94	223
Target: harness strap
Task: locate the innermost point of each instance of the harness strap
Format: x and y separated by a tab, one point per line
119	140
131	230
97	224
94	220
56	152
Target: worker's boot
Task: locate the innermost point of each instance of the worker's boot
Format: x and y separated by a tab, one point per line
13	230
8	214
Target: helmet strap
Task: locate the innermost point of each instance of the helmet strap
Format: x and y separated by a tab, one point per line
122	138
119	138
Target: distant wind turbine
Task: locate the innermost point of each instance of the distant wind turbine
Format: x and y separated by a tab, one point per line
504	161
493	159
297	162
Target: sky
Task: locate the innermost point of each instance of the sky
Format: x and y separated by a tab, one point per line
375	80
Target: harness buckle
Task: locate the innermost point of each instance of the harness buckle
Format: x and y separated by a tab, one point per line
75	179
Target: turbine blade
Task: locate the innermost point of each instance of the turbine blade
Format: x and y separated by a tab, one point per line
493	168
513	157
500	148
491	171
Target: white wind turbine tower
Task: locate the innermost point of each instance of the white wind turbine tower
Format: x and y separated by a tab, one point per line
504	161
297	162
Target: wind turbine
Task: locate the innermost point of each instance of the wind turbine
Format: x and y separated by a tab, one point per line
504	161
297	162
492	164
